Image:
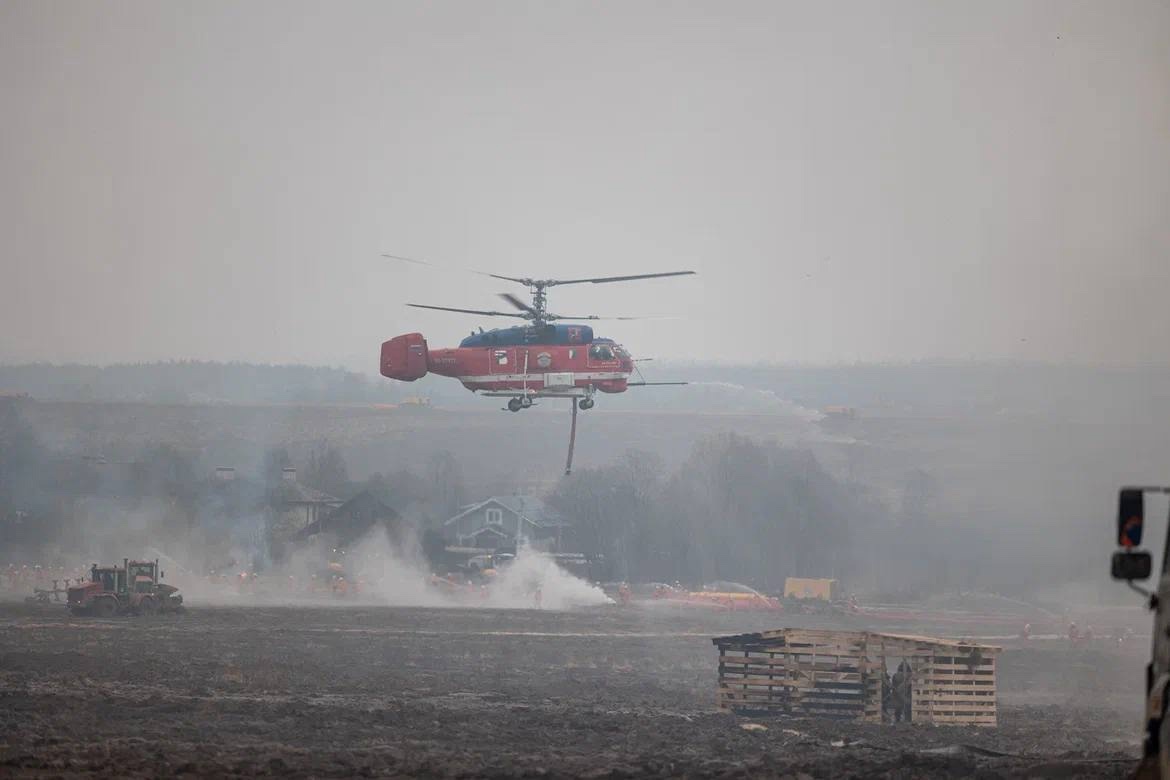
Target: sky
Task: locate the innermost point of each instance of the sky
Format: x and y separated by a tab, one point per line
852	181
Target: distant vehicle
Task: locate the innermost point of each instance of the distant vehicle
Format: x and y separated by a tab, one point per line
1129	564
481	563
810	588
132	589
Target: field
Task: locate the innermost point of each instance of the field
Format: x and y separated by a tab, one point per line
603	692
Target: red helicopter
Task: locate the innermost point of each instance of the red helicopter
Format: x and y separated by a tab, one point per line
541	359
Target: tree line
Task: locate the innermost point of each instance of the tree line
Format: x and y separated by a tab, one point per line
756	512
736	509
194	381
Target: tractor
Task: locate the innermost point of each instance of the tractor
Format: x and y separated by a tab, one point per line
131	589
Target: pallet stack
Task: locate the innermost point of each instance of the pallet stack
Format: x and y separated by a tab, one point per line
838	674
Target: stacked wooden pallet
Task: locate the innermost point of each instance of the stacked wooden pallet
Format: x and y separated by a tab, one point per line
958	688
839	674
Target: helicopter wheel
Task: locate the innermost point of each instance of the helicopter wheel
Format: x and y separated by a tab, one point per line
525	401
513	404
585	403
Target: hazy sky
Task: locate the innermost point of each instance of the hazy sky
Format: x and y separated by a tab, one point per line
863	181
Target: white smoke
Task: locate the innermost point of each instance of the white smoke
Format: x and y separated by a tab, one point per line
392	575
380	572
516	586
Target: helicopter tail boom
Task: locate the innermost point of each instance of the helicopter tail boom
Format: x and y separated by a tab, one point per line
405	357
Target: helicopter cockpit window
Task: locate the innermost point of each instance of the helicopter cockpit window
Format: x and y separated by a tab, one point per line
601	352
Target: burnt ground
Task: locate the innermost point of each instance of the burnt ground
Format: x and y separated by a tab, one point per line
602	693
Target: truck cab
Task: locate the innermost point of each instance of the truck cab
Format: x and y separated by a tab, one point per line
1131	564
111	578
141	576
99	595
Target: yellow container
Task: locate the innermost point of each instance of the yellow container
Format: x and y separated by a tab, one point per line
808	588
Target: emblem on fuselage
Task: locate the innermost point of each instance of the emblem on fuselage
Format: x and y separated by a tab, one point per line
544	360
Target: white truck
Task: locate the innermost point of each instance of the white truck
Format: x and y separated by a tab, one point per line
1131	564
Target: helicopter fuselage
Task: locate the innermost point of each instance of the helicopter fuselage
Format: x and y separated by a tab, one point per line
553	361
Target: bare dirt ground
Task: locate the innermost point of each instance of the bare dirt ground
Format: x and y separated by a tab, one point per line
601	693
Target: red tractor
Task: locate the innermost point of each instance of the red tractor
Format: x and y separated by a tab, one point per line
131	589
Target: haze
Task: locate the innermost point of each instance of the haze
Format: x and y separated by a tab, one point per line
903	181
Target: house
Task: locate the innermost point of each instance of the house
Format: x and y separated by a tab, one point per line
354	519
504	522
298	504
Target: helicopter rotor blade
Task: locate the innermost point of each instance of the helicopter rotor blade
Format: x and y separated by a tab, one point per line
470	311
525	282
441	267
607	279
530	282
519	304
596	317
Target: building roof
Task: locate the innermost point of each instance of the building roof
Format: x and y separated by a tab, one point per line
487	529
365	504
532	509
353	518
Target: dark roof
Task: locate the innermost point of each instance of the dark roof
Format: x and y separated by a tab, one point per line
354	518
365	504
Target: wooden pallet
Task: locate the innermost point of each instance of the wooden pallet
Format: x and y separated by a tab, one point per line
838	674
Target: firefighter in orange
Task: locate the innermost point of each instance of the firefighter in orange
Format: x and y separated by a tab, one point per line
624	594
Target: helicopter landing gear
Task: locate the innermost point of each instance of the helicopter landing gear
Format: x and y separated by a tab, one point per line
522	402
585	403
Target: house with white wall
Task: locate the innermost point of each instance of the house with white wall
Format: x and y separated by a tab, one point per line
505	522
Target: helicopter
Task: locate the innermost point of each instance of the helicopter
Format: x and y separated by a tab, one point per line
544	358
